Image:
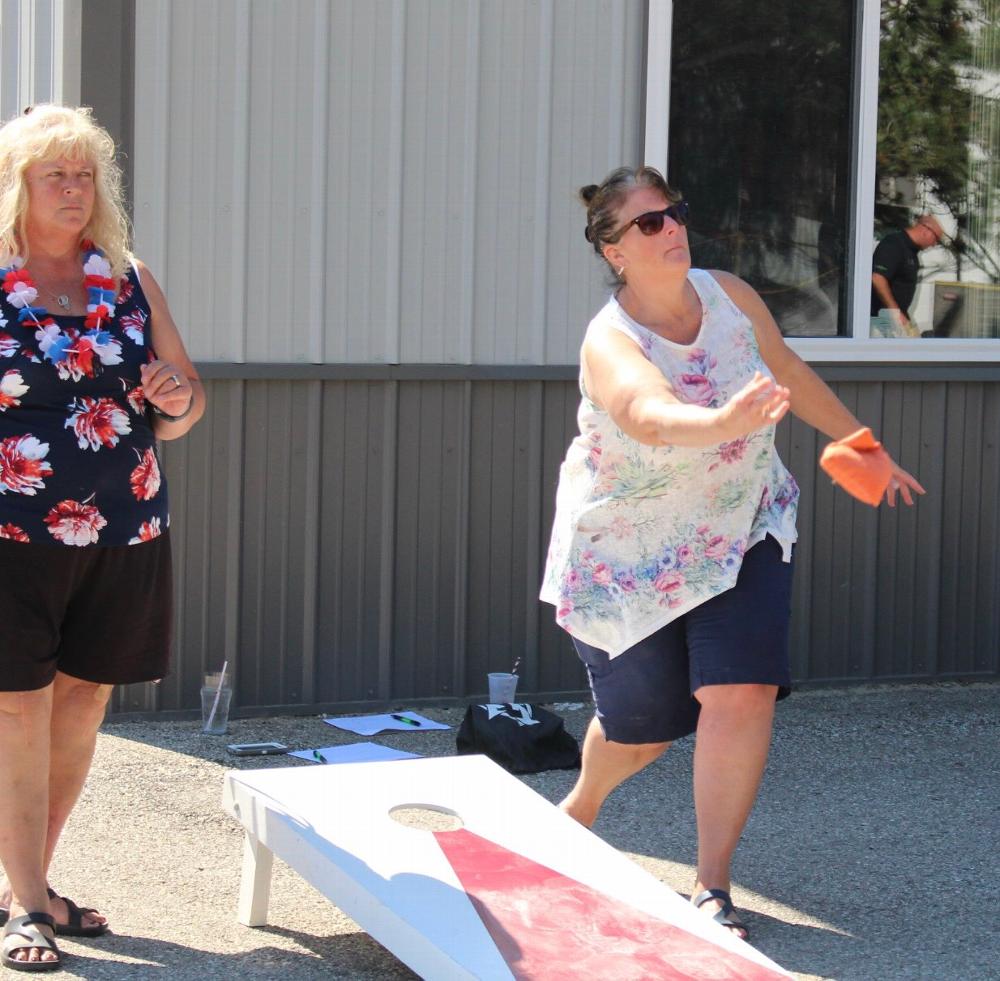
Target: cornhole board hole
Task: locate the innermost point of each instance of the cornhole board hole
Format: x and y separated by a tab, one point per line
519	890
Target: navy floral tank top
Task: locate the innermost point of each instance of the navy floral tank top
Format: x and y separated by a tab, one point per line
78	460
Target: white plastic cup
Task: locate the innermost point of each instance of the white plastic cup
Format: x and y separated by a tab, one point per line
503	687
215	710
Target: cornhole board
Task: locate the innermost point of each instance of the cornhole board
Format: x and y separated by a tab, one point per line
520	891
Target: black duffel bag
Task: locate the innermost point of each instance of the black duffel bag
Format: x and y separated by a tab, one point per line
522	738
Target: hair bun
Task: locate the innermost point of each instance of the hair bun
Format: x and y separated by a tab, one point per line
588	191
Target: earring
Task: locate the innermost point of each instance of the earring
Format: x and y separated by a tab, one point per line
621	269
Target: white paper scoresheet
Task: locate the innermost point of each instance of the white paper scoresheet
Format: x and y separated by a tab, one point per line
368	725
353	753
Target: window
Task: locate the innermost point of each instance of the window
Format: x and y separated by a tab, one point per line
937	171
804	141
760	143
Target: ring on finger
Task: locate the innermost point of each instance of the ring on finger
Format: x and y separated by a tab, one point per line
176	381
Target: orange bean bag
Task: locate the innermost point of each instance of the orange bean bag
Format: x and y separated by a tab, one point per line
859	465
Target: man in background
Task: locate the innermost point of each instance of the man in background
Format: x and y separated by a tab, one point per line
894	275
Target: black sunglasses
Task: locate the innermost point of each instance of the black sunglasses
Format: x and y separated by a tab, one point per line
651	222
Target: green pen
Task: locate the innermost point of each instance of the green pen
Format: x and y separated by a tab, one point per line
403	718
317	755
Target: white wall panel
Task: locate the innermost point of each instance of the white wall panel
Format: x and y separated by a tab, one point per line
380	180
39	53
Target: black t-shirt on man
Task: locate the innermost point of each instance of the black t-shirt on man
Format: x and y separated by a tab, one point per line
896	258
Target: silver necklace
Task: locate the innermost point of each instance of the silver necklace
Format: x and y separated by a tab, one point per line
61	298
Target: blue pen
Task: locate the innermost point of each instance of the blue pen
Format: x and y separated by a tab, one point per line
403	718
317	755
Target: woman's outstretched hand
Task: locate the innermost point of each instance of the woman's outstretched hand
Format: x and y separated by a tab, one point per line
902	483
761	402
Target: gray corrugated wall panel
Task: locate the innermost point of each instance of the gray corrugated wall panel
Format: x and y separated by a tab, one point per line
40	46
350	536
280	521
371	187
842	645
490	536
898	643
205	474
440	201
795	443
559	669
968	629
107	72
428	521
925	457
346	541
988	569
597	70
955	629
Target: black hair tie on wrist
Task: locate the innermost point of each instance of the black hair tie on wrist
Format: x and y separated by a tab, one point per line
168	417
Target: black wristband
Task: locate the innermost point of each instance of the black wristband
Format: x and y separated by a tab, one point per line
168	417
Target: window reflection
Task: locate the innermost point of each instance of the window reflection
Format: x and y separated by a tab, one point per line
938	163
760	144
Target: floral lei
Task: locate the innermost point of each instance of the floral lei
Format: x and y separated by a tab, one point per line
70	351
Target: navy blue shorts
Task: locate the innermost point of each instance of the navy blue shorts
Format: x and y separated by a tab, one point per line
740	637
101	614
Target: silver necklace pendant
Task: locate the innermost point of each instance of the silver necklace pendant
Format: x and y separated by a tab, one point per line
63	300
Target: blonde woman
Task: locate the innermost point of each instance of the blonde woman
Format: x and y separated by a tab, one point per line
92	373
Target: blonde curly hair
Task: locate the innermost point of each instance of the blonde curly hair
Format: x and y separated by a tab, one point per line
47	132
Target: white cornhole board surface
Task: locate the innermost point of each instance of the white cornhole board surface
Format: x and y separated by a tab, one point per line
552	892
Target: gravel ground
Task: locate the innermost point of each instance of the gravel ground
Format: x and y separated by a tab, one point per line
871	854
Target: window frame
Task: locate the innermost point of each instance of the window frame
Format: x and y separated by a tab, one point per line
858	346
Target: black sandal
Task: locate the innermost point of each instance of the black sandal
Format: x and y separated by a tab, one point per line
75	927
726	916
22	933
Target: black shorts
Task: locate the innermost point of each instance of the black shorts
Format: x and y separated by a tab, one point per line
101	614
739	637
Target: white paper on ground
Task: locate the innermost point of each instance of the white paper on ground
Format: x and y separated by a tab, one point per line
354	753
368	725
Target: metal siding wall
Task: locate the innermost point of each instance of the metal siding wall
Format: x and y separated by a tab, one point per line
343	542
356	475
506	493
969	627
39	53
429	525
555	661
883	595
107	83
361	182
596	125
393	182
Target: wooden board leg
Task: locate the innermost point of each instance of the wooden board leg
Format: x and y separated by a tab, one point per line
255	881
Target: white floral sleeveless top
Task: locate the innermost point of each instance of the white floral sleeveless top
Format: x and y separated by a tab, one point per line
642	534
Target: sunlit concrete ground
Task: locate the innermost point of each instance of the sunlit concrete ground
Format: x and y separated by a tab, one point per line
872	852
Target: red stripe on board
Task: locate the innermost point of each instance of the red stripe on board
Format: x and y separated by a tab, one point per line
548	926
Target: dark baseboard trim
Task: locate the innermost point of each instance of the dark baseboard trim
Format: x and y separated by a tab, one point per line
540	698
385	372
345	708
958	371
